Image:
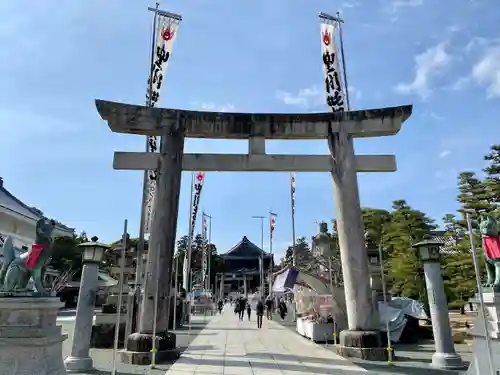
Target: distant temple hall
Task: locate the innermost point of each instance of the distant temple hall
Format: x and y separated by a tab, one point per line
242	269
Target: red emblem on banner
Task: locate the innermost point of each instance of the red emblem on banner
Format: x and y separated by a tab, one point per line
167	34
327	38
199	176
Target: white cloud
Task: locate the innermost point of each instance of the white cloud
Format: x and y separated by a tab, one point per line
444	154
304	98
460	84
396	5
427	65
486	71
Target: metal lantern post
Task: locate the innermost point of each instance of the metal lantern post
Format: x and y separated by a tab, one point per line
80	360
445	356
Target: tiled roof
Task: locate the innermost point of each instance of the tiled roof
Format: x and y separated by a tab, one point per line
11	203
245	248
447	242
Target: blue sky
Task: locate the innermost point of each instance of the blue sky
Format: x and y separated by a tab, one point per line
56	57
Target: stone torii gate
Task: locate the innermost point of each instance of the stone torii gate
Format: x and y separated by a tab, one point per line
174	125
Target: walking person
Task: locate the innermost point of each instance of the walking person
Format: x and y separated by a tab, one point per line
237	309
220	305
282	309
260	312
269	308
249	311
241	307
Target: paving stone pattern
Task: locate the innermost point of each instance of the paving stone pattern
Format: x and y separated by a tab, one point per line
230	347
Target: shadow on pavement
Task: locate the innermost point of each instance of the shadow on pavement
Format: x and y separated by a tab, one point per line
419	366
300	368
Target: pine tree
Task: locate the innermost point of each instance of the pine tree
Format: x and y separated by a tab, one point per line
374	220
492	171
405	270
457	265
474	197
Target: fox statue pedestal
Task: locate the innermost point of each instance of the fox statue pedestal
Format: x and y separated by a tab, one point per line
30	340
480	363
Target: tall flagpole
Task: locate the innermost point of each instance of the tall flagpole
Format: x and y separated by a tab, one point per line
344	71
272	218
261	259
292	201
140	245
156	72
187	257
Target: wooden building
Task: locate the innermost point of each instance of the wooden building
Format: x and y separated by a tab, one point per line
242	269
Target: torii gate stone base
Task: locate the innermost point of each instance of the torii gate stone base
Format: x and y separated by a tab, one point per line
362	339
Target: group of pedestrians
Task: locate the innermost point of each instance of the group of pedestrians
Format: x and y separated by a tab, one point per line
242	304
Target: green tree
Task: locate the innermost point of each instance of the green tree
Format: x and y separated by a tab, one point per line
374	220
304	255
474	197
405	270
66	255
197	248
458	273
492	171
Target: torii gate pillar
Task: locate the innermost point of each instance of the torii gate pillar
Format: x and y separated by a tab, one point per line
158	275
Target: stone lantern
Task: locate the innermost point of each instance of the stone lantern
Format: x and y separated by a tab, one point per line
321	243
445	356
374	262
80	359
322	246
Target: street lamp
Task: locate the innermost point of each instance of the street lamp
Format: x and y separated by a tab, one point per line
80	360
445	356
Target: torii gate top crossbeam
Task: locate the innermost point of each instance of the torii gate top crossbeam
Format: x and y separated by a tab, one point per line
136	119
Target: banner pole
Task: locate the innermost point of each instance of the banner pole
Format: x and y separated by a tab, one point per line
176	287
384	290
292	198
272	216
120	292
141	244
339	22
187	275
154	348
480	293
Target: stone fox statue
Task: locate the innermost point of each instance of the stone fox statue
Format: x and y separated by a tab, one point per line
489	229
16	272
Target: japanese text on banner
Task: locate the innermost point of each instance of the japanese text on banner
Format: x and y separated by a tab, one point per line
333	82
165	36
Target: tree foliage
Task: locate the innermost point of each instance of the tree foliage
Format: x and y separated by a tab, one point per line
66	255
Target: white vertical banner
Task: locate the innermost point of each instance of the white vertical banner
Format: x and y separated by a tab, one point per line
195	199
334	91
166	32
204	231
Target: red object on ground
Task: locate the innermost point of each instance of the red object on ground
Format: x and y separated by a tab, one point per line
33	255
491	245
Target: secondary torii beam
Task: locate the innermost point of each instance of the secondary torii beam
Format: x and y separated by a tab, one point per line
252	163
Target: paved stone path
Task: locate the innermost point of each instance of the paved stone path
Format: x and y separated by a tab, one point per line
227	346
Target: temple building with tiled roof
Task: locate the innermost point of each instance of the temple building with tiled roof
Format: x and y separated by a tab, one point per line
242	268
